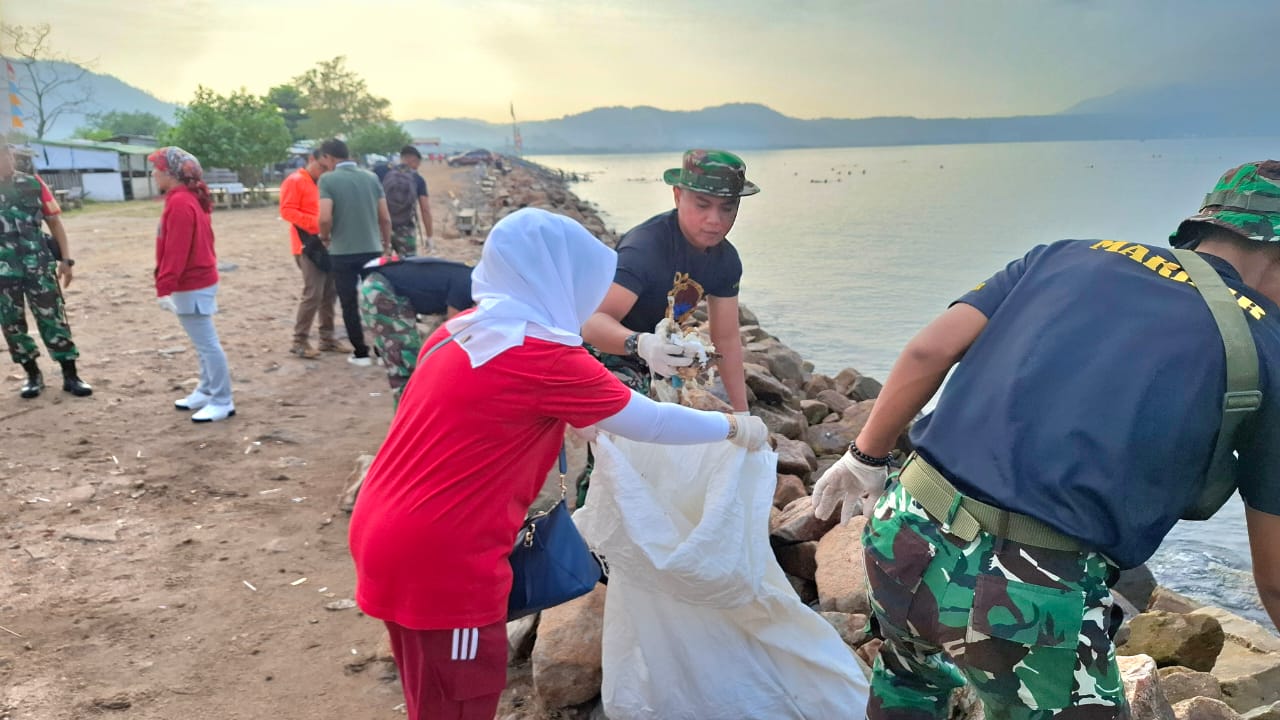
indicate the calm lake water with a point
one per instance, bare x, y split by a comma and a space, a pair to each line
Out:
848, 252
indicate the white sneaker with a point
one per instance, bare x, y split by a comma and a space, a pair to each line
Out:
212, 413
194, 401
360, 361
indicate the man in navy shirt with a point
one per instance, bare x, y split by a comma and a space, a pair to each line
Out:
677, 259
1076, 430
394, 292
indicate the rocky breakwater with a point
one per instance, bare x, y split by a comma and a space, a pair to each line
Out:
502, 188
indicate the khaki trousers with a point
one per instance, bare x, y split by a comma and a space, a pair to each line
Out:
319, 294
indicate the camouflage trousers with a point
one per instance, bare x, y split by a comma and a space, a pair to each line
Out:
393, 323
405, 241
633, 376
40, 289
1030, 629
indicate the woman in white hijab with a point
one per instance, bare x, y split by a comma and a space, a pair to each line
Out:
478, 428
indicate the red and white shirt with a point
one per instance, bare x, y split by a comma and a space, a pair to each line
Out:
464, 459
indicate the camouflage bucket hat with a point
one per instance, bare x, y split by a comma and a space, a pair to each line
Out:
714, 172
1245, 201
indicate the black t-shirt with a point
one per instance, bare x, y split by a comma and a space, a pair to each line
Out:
431, 285
651, 256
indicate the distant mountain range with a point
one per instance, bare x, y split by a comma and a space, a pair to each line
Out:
1171, 111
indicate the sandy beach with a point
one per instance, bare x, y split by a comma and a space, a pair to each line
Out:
155, 568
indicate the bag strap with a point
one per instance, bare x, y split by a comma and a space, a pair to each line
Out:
564, 455
1242, 396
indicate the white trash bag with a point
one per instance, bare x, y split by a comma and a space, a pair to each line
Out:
700, 622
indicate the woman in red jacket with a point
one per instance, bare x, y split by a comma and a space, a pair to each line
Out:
187, 276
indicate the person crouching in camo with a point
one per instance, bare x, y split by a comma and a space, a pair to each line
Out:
30, 272
394, 293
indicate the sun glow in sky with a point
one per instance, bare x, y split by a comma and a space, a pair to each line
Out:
805, 58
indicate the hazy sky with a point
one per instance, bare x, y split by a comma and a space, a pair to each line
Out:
805, 58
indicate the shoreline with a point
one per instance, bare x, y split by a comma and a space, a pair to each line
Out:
813, 417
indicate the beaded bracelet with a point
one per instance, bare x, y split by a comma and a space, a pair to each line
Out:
867, 459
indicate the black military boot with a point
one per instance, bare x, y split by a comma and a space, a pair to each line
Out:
72, 383
35, 380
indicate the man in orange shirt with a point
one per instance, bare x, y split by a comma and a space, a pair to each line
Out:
300, 207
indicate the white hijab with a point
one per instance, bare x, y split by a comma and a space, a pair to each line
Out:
541, 275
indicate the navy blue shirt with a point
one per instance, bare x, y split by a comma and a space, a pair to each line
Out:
430, 284
1093, 397
653, 252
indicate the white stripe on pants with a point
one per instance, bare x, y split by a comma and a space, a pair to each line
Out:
466, 642
215, 376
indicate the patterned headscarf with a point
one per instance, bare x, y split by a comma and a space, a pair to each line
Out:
180, 164
185, 168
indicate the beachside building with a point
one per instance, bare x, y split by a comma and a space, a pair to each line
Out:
100, 171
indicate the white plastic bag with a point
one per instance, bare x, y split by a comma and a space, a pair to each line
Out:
700, 622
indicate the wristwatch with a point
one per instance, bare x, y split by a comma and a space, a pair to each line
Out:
631, 344
69, 262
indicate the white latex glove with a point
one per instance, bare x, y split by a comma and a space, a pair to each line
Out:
663, 357
848, 480
752, 433
167, 303
585, 434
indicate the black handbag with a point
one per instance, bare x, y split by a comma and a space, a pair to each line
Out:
550, 563
314, 249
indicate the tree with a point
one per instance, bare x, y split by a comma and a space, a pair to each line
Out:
382, 138
292, 106
50, 84
103, 126
240, 131
337, 100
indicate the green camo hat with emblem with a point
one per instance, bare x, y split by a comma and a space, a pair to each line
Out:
714, 172
1245, 201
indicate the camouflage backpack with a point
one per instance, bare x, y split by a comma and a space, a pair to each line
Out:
401, 189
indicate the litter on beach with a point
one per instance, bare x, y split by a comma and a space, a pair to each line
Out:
249, 585
268, 492
10, 631
298, 582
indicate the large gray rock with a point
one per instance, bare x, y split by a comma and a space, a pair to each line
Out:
1192, 641
520, 637
856, 415
835, 400
799, 559
857, 386
1180, 683
785, 422
1204, 708
814, 411
766, 387
787, 365
851, 626
1162, 598
831, 438
817, 383
566, 656
795, 457
790, 488
1244, 632
1266, 712
1248, 678
841, 576
1136, 585
1142, 688
796, 524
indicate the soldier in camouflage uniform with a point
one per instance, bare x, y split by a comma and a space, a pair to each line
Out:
29, 274
394, 292
1064, 447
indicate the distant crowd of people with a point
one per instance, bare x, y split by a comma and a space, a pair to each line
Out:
1095, 390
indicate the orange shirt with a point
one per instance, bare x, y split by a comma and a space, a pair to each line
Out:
300, 206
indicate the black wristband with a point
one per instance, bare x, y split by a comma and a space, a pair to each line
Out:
867, 459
